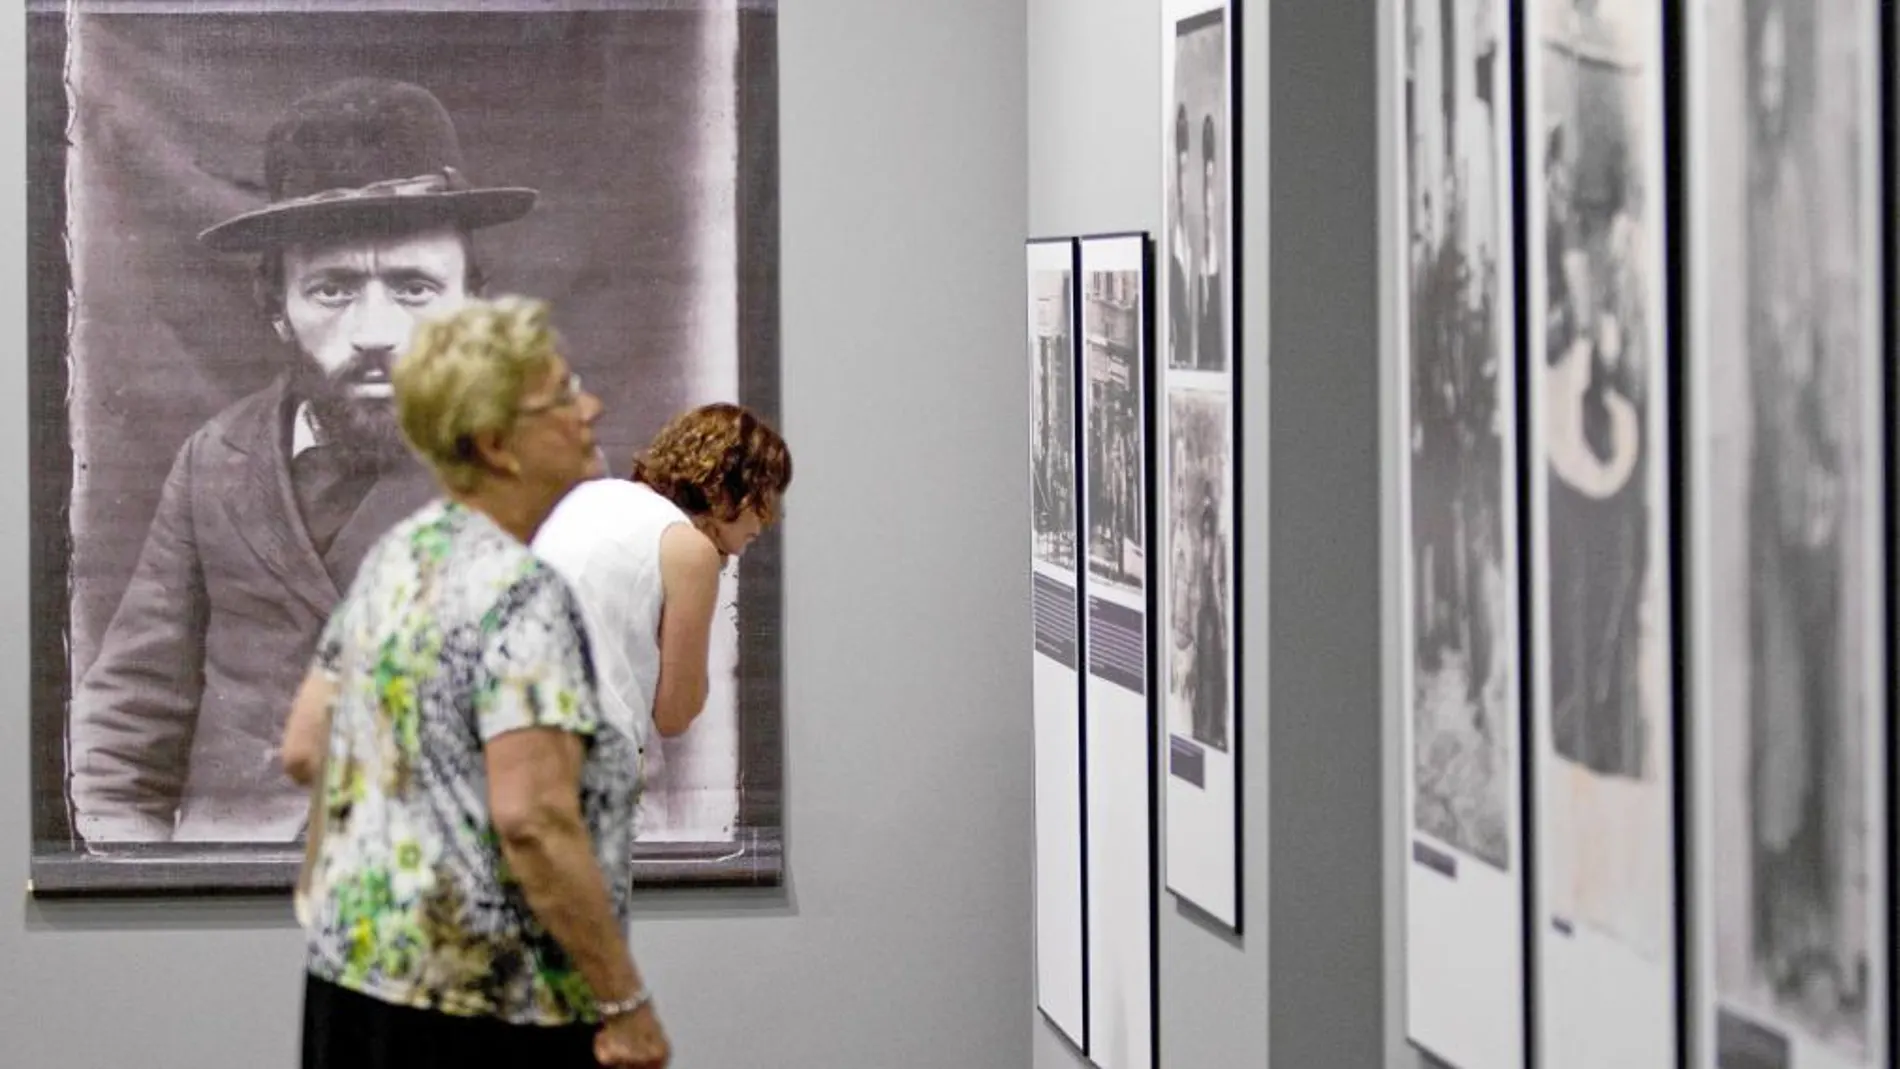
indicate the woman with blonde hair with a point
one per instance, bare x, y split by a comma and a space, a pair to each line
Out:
467, 882
645, 555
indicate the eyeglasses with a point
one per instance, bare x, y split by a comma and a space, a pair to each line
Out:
570, 393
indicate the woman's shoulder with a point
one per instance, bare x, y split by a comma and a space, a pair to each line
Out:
610, 502
515, 588
478, 564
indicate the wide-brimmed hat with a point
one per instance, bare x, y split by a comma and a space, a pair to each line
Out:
364, 156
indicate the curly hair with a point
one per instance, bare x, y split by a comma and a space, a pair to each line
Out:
464, 374
720, 460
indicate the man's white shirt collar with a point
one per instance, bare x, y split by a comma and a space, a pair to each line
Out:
304, 433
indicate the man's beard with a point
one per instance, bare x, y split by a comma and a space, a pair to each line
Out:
363, 430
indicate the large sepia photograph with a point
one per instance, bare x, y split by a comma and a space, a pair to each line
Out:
1788, 440
1460, 471
1598, 386
213, 446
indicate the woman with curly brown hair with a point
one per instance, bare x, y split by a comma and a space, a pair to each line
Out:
644, 556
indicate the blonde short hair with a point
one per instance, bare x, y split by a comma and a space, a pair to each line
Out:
464, 375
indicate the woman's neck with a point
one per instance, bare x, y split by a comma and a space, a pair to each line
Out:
509, 506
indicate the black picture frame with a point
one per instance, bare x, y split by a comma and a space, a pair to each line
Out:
1604, 928
1058, 636
1889, 96
1200, 387
1788, 197
1120, 661
1453, 218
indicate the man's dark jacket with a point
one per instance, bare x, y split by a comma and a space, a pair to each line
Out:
177, 723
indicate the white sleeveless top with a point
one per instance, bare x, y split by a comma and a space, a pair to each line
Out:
604, 539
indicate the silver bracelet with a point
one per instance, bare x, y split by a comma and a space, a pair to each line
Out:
630, 1004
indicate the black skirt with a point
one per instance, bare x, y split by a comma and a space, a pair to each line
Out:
344, 1028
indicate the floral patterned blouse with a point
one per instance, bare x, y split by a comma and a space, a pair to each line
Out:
453, 633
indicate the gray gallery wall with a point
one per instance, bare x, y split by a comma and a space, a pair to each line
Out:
1305, 985
1312, 983
1095, 161
1327, 802
900, 939
908, 132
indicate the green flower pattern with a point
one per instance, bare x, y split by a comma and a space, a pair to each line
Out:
453, 633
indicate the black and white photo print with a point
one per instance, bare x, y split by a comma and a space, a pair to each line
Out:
207, 469
1196, 183
1055, 614
1052, 414
1199, 592
1452, 266
1461, 438
1197, 457
1788, 451
1598, 386
1118, 508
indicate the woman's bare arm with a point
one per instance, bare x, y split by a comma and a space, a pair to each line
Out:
307, 731
534, 800
689, 574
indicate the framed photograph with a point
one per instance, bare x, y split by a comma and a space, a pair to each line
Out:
1055, 525
1788, 451
1119, 706
1199, 455
1890, 333
1453, 254
1598, 383
201, 495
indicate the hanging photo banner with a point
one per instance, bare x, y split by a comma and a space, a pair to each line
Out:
1788, 424
1119, 698
192, 526
1459, 657
1197, 454
1598, 385
1055, 579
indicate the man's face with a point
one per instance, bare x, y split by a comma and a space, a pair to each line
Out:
350, 308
